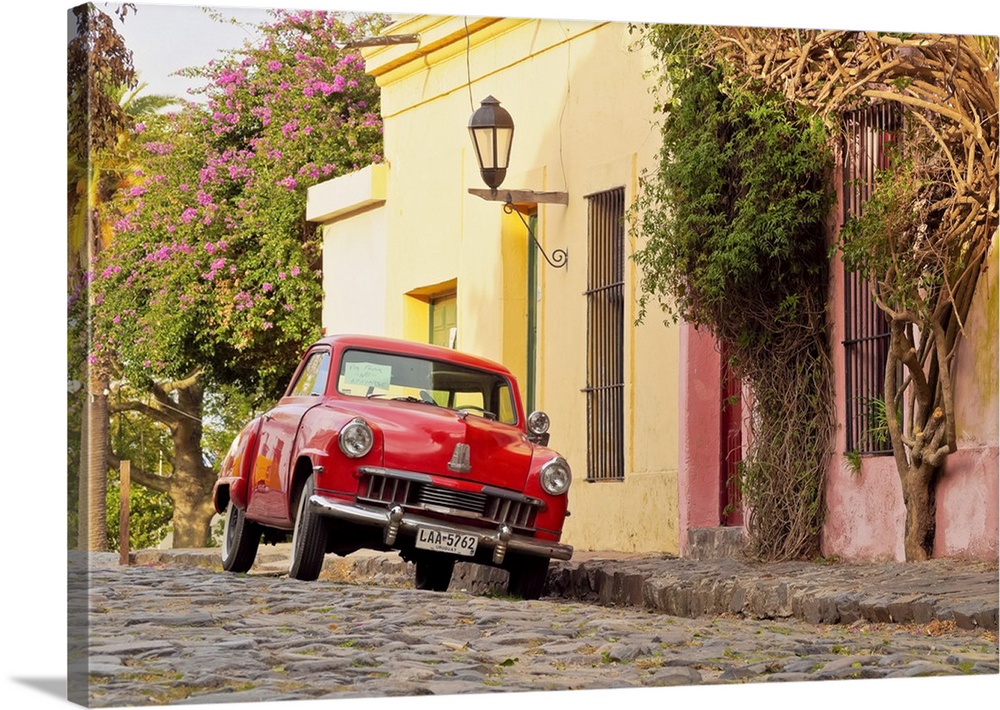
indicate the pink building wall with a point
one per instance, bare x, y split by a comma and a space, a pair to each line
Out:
700, 414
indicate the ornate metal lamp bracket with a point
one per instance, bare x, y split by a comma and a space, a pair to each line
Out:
560, 257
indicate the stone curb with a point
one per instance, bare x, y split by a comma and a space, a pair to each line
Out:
965, 593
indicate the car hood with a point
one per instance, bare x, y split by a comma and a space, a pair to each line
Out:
423, 438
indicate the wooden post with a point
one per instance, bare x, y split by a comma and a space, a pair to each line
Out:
123, 497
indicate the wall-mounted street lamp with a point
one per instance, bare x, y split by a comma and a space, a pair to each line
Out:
492, 131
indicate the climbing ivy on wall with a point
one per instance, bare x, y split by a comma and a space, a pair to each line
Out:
732, 228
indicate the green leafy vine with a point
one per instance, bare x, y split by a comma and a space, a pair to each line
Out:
733, 240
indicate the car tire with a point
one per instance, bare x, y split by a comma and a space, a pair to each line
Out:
308, 538
240, 540
527, 577
433, 572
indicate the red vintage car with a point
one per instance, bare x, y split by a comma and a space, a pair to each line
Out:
385, 444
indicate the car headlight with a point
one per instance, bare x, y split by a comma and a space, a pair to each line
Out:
556, 476
538, 422
356, 438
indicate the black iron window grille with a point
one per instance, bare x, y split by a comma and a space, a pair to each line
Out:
605, 294
871, 135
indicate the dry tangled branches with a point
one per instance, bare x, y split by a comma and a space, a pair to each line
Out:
783, 480
947, 83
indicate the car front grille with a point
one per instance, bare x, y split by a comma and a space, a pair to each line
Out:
428, 495
388, 489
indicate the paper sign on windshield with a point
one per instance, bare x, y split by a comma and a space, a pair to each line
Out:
367, 374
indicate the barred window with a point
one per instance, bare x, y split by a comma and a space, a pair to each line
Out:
870, 134
606, 335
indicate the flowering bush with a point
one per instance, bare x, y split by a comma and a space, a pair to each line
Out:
212, 267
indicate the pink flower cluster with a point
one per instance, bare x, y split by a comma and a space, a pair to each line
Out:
233, 76
161, 254
243, 301
263, 113
215, 266
325, 87
159, 148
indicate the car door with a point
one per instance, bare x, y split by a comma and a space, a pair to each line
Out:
269, 481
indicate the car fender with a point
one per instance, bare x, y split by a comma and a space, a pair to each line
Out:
316, 439
551, 518
234, 473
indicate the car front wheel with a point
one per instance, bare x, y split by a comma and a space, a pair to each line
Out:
240, 540
308, 538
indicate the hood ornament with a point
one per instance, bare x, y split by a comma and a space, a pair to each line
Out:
460, 459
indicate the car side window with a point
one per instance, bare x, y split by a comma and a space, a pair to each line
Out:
505, 405
312, 378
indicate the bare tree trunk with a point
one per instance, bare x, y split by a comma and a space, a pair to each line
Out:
191, 485
920, 446
97, 467
193, 510
82, 489
918, 496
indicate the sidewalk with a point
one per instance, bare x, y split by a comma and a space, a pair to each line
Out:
965, 593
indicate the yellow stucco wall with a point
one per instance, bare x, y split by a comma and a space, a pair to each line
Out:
583, 113
349, 210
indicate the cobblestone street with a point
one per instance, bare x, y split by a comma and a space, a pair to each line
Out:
166, 635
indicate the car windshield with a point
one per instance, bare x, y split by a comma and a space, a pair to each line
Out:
437, 383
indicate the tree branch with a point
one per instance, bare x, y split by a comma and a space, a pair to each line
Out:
154, 412
182, 384
140, 475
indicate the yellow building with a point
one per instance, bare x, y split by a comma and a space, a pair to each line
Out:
409, 252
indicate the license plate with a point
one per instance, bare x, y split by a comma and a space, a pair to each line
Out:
455, 543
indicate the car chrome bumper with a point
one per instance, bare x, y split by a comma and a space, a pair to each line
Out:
395, 520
